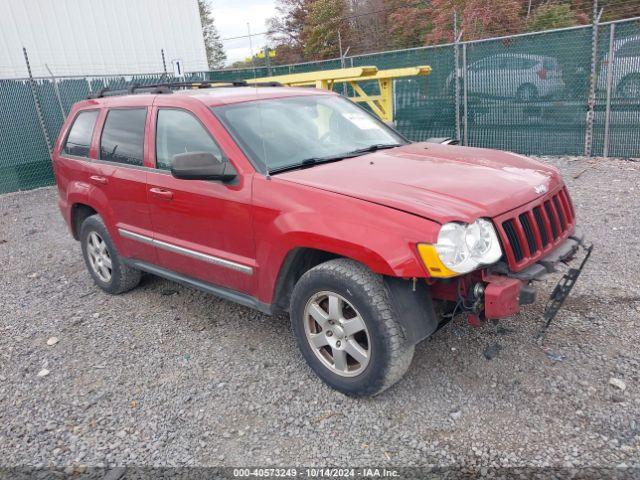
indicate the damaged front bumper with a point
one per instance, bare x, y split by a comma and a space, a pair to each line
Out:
505, 291
497, 292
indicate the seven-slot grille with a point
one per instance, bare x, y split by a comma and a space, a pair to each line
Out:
529, 234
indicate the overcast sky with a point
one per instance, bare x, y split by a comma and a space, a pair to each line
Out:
231, 17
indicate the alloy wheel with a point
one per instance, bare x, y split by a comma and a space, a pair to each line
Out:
337, 334
99, 257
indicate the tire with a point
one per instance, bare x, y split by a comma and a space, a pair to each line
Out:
101, 257
527, 93
363, 300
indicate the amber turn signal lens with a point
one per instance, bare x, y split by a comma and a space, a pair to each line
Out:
432, 261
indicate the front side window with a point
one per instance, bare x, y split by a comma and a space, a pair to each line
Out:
123, 136
281, 133
79, 140
178, 131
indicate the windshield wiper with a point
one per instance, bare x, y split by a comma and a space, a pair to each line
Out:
308, 162
373, 148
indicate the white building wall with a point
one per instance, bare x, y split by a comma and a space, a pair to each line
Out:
98, 37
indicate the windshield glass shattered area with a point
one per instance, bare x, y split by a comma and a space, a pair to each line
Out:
277, 134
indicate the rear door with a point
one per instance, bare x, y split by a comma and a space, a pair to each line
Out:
202, 229
122, 176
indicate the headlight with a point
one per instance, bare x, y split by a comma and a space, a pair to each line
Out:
461, 248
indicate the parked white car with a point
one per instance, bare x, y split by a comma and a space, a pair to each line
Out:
625, 80
513, 75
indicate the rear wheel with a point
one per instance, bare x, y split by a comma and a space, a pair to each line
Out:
344, 324
103, 261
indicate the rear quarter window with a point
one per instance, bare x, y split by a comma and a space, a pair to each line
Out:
78, 141
122, 138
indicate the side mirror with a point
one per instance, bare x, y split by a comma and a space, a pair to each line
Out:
201, 166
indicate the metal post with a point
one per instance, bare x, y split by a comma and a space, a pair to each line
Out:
36, 102
591, 100
267, 60
253, 60
342, 61
456, 70
164, 62
56, 90
610, 66
465, 96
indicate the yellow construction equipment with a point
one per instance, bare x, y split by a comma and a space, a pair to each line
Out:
381, 104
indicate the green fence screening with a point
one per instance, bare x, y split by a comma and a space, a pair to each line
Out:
524, 93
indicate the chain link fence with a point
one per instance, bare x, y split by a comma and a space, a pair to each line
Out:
541, 93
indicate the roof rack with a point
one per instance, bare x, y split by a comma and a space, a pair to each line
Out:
169, 87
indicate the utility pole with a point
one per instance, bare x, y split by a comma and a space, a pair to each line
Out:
253, 60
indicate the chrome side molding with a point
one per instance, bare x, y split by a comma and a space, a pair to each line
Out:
221, 262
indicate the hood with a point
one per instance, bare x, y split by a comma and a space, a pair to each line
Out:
440, 182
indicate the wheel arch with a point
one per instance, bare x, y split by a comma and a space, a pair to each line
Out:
79, 213
300, 259
296, 263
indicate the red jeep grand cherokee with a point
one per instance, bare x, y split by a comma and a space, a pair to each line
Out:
297, 200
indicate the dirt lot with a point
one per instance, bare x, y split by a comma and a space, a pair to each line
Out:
165, 375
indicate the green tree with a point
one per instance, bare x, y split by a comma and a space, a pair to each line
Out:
216, 56
325, 19
551, 15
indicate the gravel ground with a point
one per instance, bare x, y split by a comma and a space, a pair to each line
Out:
168, 376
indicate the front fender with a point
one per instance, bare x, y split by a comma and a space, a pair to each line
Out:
290, 216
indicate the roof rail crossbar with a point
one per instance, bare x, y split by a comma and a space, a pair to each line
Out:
168, 87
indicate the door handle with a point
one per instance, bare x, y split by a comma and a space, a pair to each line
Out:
98, 179
161, 193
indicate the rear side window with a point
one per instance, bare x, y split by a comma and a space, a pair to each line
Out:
177, 132
79, 139
123, 136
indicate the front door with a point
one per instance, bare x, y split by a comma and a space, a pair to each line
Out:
202, 229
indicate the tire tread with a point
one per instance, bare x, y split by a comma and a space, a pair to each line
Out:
399, 352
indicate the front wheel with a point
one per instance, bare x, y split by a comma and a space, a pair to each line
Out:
345, 326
